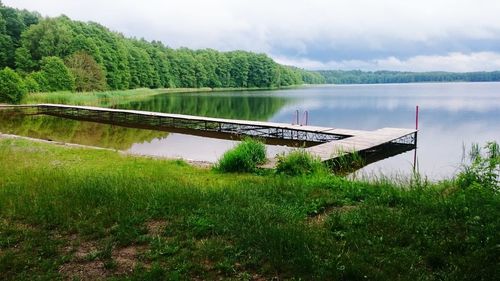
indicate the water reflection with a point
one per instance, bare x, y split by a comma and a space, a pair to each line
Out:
451, 115
72, 131
240, 105
193, 147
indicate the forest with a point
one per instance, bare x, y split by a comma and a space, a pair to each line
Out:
381, 77
40, 54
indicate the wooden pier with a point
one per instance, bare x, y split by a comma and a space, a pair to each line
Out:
324, 142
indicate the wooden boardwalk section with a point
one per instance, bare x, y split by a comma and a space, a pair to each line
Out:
361, 142
330, 143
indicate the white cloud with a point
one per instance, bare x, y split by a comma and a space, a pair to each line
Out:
457, 62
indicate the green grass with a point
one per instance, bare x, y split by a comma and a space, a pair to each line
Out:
244, 157
96, 214
299, 162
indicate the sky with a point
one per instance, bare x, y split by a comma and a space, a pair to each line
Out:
403, 35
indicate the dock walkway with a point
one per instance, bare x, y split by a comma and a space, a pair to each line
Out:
330, 142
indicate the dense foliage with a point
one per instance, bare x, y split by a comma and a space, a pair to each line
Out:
381, 77
12, 88
101, 59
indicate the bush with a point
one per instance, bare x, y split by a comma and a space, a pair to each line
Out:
299, 162
31, 84
244, 157
57, 75
39, 77
12, 87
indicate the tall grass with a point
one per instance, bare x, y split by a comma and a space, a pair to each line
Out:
346, 162
299, 162
110, 98
105, 98
245, 157
482, 168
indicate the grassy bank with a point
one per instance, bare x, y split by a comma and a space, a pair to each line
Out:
106, 98
109, 98
71, 212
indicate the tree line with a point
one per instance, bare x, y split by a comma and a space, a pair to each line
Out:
381, 77
52, 54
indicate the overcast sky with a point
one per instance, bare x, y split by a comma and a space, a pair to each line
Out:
415, 35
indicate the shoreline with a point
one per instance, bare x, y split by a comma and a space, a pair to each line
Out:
194, 163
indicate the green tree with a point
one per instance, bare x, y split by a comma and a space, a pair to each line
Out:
39, 78
57, 74
26, 39
12, 87
24, 61
88, 74
239, 68
50, 37
31, 84
6, 48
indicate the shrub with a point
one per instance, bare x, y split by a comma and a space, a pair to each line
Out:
299, 162
31, 84
12, 87
244, 157
483, 169
39, 77
58, 76
88, 74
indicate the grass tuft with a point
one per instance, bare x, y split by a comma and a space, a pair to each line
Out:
299, 162
245, 157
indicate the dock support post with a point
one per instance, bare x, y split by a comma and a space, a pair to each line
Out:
415, 140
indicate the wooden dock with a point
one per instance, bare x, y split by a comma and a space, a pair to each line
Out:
327, 143
360, 142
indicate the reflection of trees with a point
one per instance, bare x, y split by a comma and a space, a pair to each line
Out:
248, 107
72, 131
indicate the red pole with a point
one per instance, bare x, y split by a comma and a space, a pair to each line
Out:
415, 151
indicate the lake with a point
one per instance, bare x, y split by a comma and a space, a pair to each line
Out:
452, 115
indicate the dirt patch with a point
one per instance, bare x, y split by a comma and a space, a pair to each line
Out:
128, 258
92, 270
85, 249
85, 263
156, 227
320, 217
80, 267
207, 264
19, 226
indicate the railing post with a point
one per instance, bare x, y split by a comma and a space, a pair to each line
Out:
306, 117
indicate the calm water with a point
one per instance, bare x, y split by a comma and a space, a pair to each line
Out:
451, 115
